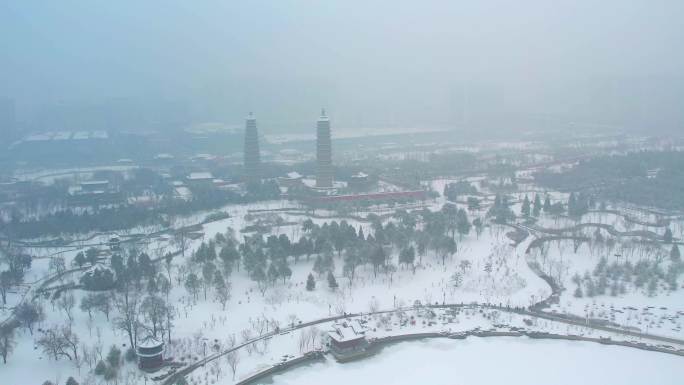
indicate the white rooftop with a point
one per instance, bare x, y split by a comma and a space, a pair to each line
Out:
149, 342
347, 332
200, 176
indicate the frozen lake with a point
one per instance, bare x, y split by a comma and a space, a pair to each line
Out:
491, 361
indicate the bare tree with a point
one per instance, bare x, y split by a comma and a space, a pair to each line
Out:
303, 340
180, 239
6, 281
153, 309
66, 302
373, 305
233, 359
128, 306
59, 342
7, 342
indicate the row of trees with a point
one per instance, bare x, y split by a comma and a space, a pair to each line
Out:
124, 216
266, 259
615, 277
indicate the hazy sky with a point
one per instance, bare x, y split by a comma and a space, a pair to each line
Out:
389, 62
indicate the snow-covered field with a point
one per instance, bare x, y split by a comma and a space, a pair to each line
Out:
489, 269
512, 361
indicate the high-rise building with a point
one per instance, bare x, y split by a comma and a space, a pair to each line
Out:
324, 171
251, 152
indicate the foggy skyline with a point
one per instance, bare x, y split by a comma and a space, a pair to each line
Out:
500, 64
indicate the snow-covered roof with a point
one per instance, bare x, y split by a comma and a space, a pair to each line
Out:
203, 157
294, 175
149, 342
346, 332
94, 182
97, 266
200, 176
183, 192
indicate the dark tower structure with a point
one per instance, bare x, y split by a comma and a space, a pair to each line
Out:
251, 152
324, 172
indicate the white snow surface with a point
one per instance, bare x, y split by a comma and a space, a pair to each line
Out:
482, 361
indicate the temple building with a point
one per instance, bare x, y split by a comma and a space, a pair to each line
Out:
150, 353
348, 341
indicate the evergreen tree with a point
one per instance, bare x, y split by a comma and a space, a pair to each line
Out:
668, 236
310, 282
222, 291
462, 223
229, 256
272, 274
192, 285
572, 204
117, 264
578, 292
284, 270
674, 254
591, 288
7, 341
537, 206
114, 357
319, 266
208, 271
525, 210
91, 255
378, 258
259, 276
100, 368
332, 282
547, 203
80, 259
407, 255
614, 289
652, 286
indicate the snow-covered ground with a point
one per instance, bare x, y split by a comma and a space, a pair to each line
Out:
503, 360
660, 312
496, 272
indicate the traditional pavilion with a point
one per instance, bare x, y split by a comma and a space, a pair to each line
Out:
150, 353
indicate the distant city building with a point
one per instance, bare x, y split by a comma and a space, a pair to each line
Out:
200, 179
292, 178
324, 170
94, 193
360, 181
94, 185
251, 151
